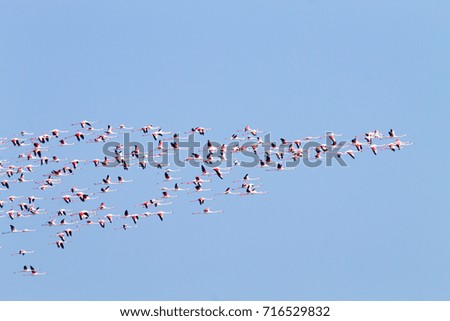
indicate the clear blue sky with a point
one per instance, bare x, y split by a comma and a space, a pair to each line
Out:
376, 230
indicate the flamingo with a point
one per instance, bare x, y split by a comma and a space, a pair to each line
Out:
83, 123
198, 180
252, 191
23, 252
176, 188
122, 126
60, 244
32, 199
24, 206
61, 235
158, 133
101, 138
100, 222
246, 185
145, 129
29, 167
44, 187
109, 130
145, 204
25, 133
63, 222
103, 207
5, 183
62, 142
200, 130
10, 170
166, 195
235, 137
22, 179
12, 198
66, 198
170, 178
134, 217
126, 227
120, 180
63, 212
85, 197
280, 167
84, 214
399, 144
218, 172
357, 144
18, 143
332, 136
105, 181
198, 188
41, 148
157, 203
373, 147
208, 211
44, 138
92, 129
36, 211
19, 214
228, 192
75, 189
25, 269
51, 181
194, 156
56, 132
13, 229
201, 200
348, 152
107, 190
109, 217
176, 137
369, 136
254, 132
204, 171
69, 232
50, 223
76, 162
36, 273
377, 134
160, 214
247, 178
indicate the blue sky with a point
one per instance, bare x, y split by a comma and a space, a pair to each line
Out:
375, 230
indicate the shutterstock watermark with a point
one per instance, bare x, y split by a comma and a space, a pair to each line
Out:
256, 152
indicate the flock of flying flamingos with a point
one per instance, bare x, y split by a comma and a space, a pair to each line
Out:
36, 156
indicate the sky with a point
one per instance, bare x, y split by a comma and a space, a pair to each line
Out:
374, 230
